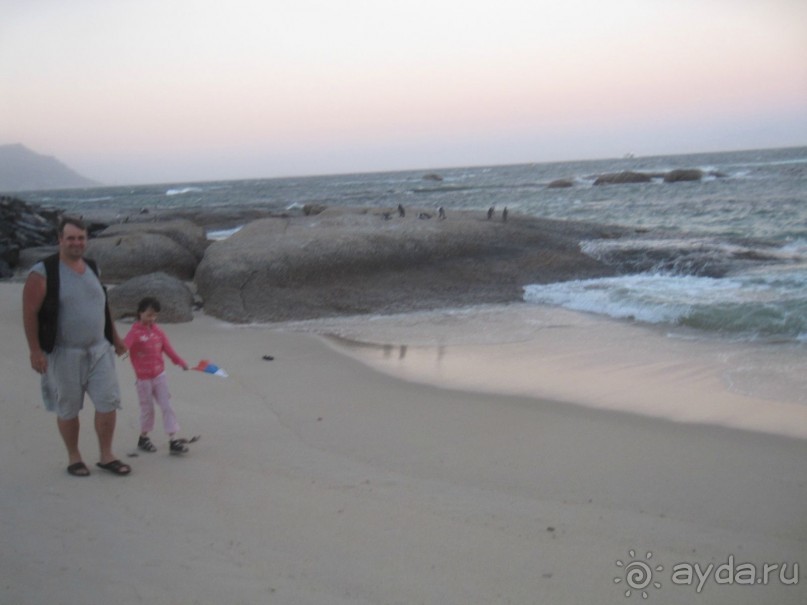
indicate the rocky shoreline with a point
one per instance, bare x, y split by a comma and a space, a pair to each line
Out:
23, 226
357, 260
322, 262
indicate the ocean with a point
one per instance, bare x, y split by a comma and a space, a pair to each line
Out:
725, 255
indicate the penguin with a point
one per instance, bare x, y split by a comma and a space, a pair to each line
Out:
441, 213
490, 213
504, 215
401, 211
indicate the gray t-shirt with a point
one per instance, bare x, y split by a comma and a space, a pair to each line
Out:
81, 307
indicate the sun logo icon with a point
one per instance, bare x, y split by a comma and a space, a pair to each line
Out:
638, 574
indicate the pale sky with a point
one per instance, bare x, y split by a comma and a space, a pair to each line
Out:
148, 91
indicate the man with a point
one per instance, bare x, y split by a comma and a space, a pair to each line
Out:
71, 337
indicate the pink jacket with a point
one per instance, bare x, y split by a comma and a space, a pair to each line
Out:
146, 347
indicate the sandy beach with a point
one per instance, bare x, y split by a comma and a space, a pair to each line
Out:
321, 480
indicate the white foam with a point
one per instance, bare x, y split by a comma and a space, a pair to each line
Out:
761, 302
183, 190
646, 297
223, 233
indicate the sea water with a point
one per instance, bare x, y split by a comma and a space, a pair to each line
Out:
725, 254
720, 262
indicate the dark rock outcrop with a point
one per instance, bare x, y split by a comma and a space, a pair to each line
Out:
621, 178
22, 226
560, 184
683, 174
176, 298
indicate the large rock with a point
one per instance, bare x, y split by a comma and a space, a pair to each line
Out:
184, 232
126, 256
127, 250
176, 298
355, 261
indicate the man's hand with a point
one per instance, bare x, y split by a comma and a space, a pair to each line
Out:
39, 362
120, 348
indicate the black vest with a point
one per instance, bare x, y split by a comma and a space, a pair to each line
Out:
49, 311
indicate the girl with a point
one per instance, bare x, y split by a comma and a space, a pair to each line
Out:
147, 343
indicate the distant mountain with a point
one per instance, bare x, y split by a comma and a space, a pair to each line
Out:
24, 170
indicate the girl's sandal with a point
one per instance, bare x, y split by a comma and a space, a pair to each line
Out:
177, 446
145, 444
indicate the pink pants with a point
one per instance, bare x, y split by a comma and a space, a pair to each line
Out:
149, 391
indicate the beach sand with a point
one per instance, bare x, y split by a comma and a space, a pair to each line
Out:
319, 480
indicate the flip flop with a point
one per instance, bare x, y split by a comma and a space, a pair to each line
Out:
116, 467
78, 469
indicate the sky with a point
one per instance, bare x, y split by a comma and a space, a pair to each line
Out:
154, 91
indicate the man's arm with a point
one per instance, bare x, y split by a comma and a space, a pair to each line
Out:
117, 342
120, 345
33, 295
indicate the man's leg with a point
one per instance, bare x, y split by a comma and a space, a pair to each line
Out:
105, 429
69, 430
102, 387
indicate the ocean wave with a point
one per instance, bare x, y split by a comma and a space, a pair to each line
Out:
709, 257
772, 304
184, 190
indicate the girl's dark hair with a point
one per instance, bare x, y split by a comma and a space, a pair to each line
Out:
148, 303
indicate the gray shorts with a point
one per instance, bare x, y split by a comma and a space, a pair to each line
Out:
72, 373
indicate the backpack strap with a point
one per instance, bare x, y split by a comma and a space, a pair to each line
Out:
49, 311
48, 315
108, 331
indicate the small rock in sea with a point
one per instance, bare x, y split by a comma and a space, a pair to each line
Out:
680, 175
621, 178
560, 184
